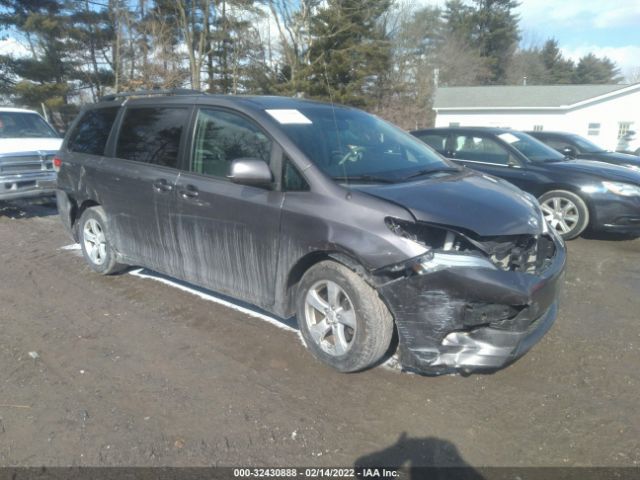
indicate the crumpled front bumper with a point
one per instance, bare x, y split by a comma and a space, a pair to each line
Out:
26, 185
469, 319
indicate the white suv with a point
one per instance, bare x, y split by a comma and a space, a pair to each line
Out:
28, 145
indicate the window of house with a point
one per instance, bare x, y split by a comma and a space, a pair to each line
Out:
222, 137
623, 129
454, 124
92, 131
537, 128
152, 135
594, 129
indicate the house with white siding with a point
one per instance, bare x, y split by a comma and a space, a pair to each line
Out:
605, 114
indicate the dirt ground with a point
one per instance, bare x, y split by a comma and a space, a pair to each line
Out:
131, 371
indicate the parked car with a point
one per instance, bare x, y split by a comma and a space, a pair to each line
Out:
319, 211
573, 194
27, 146
575, 146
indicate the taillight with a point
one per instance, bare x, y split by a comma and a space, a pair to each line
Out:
57, 163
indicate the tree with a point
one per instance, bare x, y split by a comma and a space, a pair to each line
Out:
594, 70
495, 32
349, 52
558, 69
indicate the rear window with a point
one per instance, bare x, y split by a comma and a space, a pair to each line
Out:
437, 141
92, 131
152, 135
24, 125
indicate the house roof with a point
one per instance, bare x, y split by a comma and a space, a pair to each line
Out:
519, 96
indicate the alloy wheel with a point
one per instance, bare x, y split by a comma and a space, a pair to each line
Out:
95, 242
561, 214
330, 317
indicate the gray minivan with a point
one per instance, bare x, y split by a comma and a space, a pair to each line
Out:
319, 211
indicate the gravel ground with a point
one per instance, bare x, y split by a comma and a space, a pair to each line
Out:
131, 371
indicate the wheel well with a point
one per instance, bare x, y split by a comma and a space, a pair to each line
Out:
575, 191
305, 263
77, 212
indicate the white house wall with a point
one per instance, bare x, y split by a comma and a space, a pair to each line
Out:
608, 112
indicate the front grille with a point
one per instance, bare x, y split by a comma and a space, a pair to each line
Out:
14, 164
522, 253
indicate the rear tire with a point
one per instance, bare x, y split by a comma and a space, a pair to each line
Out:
95, 241
342, 319
565, 212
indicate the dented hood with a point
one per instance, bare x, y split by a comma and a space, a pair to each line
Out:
467, 200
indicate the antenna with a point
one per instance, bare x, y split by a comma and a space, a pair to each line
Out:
333, 111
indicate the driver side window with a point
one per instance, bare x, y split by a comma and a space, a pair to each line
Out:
479, 149
221, 137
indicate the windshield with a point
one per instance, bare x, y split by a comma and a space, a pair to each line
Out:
24, 125
585, 145
533, 149
351, 145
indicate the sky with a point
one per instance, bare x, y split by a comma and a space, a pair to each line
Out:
604, 27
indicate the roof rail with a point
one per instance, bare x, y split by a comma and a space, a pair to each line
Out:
144, 93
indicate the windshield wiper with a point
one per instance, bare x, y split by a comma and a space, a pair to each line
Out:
364, 178
429, 171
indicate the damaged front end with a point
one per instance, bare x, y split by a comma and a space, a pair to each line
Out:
470, 302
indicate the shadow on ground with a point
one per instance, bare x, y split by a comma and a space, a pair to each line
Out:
17, 209
427, 457
608, 236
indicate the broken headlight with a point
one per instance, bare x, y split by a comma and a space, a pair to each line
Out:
445, 248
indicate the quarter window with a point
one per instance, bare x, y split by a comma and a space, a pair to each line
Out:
152, 135
222, 137
479, 149
293, 181
92, 131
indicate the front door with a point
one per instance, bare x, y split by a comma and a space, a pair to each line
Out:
228, 233
484, 154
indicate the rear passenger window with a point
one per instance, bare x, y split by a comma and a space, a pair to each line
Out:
434, 140
222, 137
480, 149
92, 131
152, 135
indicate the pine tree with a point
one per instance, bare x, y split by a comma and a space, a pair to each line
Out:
594, 70
349, 52
558, 69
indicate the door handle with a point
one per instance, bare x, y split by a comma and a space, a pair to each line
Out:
162, 185
188, 192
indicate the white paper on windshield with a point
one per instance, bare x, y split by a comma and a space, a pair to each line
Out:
289, 117
508, 137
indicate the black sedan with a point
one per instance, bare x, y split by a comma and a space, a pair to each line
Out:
575, 146
573, 194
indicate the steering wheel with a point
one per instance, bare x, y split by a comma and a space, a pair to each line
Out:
353, 155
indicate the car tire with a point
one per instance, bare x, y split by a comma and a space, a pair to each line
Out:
95, 242
342, 319
565, 212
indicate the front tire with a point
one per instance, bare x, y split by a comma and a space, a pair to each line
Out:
342, 319
95, 242
565, 212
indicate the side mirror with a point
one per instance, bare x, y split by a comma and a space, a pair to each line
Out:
569, 152
250, 171
513, 163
